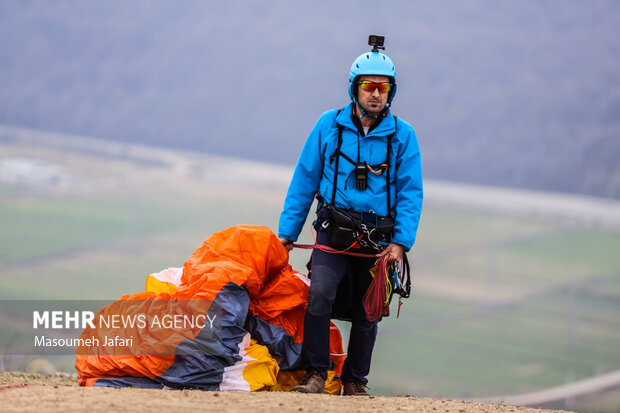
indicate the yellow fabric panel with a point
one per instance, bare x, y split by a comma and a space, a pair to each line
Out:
262, 372
332, 385
158, 287
289, 379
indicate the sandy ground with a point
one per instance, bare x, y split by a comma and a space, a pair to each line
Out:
22, 392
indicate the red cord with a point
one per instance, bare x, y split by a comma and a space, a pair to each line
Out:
331, 250
376, 297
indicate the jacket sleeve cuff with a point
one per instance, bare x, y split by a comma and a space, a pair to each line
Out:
287, 236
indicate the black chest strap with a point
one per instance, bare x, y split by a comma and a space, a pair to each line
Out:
385, 167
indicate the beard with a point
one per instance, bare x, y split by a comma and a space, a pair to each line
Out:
372, 109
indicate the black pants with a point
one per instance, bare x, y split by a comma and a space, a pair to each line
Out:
328, 270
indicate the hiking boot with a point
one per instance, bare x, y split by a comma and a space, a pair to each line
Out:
312, 382
355, 388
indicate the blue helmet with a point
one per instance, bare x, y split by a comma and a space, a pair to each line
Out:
372, 63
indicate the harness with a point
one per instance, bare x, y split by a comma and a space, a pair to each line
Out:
362, 168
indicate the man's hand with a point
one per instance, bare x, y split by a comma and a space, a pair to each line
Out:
396, 252
288, 244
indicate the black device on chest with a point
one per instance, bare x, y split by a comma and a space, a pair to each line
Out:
361, 175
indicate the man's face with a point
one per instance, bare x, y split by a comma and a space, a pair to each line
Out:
373, 101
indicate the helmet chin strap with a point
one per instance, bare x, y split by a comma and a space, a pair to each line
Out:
367, 115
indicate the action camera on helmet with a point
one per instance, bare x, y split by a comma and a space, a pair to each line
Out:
376, 42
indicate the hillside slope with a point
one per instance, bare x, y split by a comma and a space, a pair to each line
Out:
523, 94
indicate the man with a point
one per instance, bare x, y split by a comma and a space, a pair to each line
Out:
348, 159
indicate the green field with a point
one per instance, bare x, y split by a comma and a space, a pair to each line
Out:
526, 306
501, 304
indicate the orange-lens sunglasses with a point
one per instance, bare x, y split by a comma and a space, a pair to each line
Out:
371, 86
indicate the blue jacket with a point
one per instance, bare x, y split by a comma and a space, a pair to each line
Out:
314, 172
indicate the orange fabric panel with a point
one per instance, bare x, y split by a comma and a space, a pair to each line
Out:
282, 302
254, 248
335, 348
92, 367
282, 292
